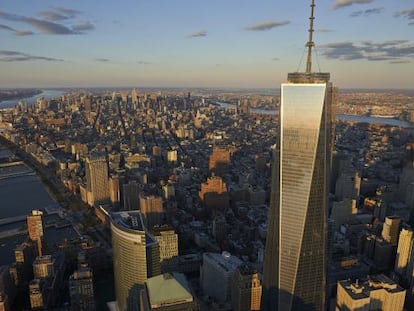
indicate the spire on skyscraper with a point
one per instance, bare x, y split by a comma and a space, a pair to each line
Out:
310, 44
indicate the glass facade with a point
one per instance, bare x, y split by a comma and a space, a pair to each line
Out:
135, 256
294, 267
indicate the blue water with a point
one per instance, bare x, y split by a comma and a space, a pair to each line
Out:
341, 117
47, 94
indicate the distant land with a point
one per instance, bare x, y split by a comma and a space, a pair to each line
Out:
11, 94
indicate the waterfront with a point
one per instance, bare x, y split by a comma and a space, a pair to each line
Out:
47, 94
340, 117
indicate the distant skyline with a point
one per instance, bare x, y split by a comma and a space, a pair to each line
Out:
193, 43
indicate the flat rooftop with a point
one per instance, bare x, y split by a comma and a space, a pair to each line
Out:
168, 289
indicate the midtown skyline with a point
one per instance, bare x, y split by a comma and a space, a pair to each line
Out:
203, 44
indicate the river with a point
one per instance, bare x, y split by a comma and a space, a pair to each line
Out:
341, 117
47, 94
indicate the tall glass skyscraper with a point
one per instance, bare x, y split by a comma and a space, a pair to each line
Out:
295, 256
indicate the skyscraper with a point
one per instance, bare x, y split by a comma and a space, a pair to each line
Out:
97, 180
136, 257
295, 256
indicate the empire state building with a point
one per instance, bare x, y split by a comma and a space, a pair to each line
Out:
294, 275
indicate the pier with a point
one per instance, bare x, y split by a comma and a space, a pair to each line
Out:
10, 164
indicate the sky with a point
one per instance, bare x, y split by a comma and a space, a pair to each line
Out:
203, 43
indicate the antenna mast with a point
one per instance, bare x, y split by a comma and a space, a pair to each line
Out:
310, 44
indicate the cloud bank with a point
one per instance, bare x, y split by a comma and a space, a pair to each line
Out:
267, 25
367, 12
408, 14
394, 51
344, 3
15, 56
47, 26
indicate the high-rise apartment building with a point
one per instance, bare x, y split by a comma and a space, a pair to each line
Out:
295, 255
97, 184
135, 255
35, 229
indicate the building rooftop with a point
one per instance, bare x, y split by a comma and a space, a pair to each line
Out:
361, 290
168, 289
225, 260
131, 220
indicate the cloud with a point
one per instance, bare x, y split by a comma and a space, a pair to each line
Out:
275, 58
267, 25
408, 14
16, 32
198, 34
392, 50
58, 14
103, 60
141, 62
367, 12
343, 3
83, 27
40, 24
15, 56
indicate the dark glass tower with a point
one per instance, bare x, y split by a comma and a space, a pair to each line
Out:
295, 256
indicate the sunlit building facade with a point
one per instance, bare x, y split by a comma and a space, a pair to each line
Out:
135, 255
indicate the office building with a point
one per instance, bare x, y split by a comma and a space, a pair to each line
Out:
135, 256
81, 290
246, 289
97, 184
152, 210
217, 275
35, 229
377, 293
294, 276
167, 292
